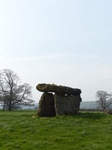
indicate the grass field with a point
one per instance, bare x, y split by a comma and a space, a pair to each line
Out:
84, 131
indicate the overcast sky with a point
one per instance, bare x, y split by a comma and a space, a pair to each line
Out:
65, 42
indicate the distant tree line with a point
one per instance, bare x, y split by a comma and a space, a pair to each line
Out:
12, 94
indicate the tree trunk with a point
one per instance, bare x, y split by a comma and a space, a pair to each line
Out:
10, 106
3, 106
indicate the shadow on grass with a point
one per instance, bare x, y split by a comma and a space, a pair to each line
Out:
90, 115
86, 115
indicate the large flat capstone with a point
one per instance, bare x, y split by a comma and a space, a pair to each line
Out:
62, 90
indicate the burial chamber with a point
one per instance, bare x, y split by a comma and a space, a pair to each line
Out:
58, 100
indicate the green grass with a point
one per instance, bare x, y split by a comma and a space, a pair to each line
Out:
84, 131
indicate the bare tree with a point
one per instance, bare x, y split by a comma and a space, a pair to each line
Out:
104, 99
12, 94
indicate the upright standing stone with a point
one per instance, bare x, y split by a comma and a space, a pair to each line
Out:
46, 105
66, 104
